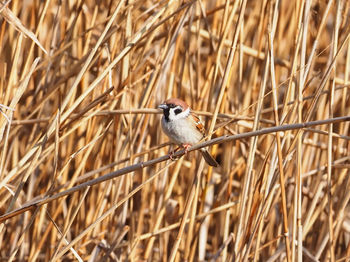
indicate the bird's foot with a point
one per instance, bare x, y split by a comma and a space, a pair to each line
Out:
186, 147
171, 154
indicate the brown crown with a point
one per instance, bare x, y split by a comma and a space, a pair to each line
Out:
176, 101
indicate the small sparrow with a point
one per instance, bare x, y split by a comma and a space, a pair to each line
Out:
183, 127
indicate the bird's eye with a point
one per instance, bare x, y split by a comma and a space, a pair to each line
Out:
177, 111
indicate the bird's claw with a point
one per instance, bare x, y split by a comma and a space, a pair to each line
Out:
186, 147
171, 156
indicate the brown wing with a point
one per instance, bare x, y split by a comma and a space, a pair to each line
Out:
199, 124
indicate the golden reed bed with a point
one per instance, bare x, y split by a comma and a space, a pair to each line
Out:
84, 167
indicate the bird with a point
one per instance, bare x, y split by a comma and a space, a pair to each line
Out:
183, 127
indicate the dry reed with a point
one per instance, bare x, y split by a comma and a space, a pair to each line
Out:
84, 168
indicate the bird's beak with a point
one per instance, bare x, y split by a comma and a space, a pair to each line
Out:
163, 106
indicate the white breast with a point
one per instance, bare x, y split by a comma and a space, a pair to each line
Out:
181, 132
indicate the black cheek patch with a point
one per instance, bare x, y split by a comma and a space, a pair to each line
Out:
166, 114
178, 111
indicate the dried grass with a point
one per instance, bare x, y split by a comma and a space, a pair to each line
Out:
84, 171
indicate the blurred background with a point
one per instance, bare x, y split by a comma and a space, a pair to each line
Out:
80, 82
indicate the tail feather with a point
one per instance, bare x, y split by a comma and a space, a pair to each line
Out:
208, 158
